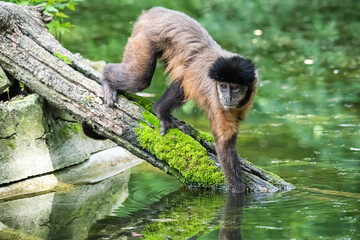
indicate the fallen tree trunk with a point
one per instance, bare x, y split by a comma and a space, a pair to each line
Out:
33, 56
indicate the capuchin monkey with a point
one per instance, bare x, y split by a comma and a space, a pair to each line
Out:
222, 83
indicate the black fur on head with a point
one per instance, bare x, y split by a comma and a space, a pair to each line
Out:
235, 69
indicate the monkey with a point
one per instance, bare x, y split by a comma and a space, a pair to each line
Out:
222, 83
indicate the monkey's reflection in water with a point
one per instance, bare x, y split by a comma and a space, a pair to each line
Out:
231, 217
184, 214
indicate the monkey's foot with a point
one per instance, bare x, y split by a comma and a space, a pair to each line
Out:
238, 189
169, 123
238, 186
110, 95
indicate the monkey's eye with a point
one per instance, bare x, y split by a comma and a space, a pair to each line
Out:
223, 86
235, 88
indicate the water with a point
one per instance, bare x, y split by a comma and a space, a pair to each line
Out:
304, 126
303, 213
145, 203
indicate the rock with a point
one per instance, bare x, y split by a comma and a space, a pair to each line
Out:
29, 186
7, 233
100, 166
4, 81
23, 150
68, 145
63, 215
33, 142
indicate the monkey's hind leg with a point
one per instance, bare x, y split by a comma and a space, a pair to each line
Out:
172, 98
134, 74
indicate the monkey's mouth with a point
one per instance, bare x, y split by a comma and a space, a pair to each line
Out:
227, 106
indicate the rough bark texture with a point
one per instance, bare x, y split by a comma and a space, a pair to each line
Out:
34, 57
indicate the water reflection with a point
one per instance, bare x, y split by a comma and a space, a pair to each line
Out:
183, 214
201, 214
231, 218
148, 204
63, 215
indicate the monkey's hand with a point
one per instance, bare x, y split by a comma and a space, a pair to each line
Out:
169, 123
110, 95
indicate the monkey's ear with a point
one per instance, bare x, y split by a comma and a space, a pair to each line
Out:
235, 69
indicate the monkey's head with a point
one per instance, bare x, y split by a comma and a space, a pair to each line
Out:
235, 78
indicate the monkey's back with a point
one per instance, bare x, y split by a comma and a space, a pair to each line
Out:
171, 29
183, 45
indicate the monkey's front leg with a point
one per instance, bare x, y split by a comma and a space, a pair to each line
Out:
169, 123
230, 164
172, 98
110, 94
114, 77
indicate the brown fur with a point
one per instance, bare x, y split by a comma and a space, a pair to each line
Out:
188, 52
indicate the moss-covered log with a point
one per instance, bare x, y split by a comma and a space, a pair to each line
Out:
33, 56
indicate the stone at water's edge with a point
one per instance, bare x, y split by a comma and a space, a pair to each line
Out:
33, 143
98, 167
66, 215
23, 151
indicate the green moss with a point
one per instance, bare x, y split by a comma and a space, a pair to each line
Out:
76, 128
8, 93
205, 136
12, 234
190, 222
11, 144
64, 132
274, 179
148, 105
151, 118
141, 101
89, 99
64, 58
188, 160
67, 130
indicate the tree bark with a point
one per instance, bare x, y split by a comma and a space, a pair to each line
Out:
33, 56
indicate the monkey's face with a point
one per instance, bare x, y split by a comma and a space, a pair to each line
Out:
230, 94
